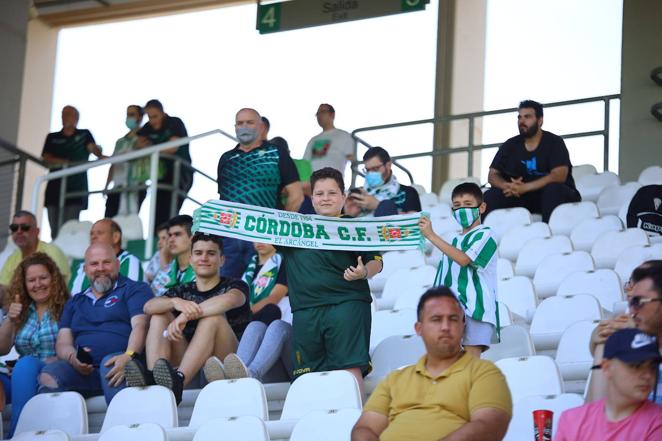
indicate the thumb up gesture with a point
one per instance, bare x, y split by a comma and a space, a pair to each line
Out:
15, 309
357, 272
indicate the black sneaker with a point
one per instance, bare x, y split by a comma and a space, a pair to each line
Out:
136, 374
165, 375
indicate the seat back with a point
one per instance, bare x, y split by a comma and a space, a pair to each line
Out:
502, 220
391, 322
405, 280
135, 432
42, 435
583, 170
553, 269
321, 391
139, 405
515, 342
610, 245
504, 268
521, 424
632, 257
612, 198
566, 216
394, 352
65, 411
573, 355
555, 314
514, 239
535, 250
331, 425
518, 294
651, 175
242, 428
584, 235
534, 375
590, 186
603, 284
228, 398
409, 299
447, 187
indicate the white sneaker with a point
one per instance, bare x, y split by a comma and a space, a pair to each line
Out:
214, 369
234, 367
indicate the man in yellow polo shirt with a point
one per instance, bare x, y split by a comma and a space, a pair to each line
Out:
448, 395
25, 234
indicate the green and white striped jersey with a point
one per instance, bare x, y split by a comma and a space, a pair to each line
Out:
475, 284
130, 267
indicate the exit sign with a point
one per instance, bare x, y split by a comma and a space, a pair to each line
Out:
297, 14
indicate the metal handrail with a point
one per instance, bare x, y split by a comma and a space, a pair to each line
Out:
21, 157
153, 152
471, 147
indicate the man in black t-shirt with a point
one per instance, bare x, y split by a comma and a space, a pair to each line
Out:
256, 172
161, 128
382, 190
532, 169
192, 322
68, 146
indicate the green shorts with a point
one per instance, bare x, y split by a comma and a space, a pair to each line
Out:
332, 337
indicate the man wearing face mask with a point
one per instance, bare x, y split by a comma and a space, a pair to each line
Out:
255, 172
381, 185
68, 146
161, 128
123, 174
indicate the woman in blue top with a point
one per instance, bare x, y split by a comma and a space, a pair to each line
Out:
34, 303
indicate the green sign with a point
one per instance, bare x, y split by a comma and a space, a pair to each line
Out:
297, 14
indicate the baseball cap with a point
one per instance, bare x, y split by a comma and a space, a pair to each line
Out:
632, 346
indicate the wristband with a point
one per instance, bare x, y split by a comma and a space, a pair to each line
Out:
130, 353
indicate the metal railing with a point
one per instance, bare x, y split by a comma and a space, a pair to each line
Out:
22, 158
154, 152
471, 147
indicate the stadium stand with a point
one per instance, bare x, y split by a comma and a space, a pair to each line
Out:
584, 234
65, 411
404, 282
603, 284
535, 251
612, 198
590, 186
534, 375
632, 257
393, 353
515, 342
516, 237
566, 216
573, 356
391, 322
503, 219
521, 427
611, 244
554, 268
518, 294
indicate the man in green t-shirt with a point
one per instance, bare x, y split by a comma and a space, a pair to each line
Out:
329, 294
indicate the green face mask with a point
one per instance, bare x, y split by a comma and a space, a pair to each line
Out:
466, 216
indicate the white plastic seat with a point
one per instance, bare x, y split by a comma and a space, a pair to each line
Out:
405, 281
505, 316
610, 245
573, 356
534, 375
428, 200
632, 257
555, 314
73, 243
64, 411
515, 342
584, 235
409, 299
392, 261
446, 189
651, 175
441, 209
603, 284
518, 294
230, 398
504, 219
131, 225
135, 432
504, 269
581, 170
139, 405
42, 435
321, 391
242, 428
76, 226
391, 322
514, 239
521, 424
590, 186
566, 216
445, 224
612, 198
393, 353
553, 269
536, 250
331, 425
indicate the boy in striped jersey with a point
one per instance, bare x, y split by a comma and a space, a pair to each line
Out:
469, 266
107, 231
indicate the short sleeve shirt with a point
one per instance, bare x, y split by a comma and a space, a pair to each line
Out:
37, 336
513, 160
238, 318
172, 127
420, 407
104, 324
330, 149
255, 177
16, 257
407, 199
130, 267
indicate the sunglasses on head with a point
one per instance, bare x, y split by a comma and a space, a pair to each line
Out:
24, 227
638, 301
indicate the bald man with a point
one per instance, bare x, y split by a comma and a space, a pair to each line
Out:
100, 330
255, 172
107, 231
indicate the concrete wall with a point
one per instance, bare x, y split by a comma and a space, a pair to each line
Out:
641, 133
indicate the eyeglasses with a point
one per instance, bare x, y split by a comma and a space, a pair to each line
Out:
24, 227
372, 169
637, 302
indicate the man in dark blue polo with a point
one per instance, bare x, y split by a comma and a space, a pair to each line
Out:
101, 329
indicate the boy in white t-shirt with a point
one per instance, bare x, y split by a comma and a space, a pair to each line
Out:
469, 266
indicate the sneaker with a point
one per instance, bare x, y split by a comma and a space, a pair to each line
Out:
213, 369
235, 368
165, 375
136, 374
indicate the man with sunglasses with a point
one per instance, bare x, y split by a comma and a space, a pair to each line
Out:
644, 296
25, 234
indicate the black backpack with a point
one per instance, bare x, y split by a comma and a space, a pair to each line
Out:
645, 210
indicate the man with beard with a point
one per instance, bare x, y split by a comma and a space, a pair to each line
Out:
447, 395
531, 170
101, 329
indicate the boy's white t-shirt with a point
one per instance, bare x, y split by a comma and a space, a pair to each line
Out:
330, 149
475, 284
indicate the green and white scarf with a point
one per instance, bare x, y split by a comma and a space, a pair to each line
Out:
261, 284
387, 190
284, 228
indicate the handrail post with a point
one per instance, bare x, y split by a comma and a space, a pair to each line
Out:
154, 178
470, 152
606, 136
62, 203
174, 195
20, 182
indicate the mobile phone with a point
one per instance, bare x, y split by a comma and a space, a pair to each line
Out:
353, 192
83, 356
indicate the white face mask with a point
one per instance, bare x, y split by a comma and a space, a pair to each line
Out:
466, 216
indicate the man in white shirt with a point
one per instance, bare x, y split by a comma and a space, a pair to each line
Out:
331, 148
